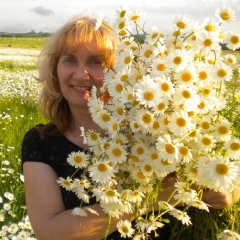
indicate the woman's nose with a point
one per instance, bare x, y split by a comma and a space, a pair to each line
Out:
81, 73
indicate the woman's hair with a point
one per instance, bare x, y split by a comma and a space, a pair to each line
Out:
75, 33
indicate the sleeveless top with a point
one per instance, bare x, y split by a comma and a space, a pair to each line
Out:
53, 151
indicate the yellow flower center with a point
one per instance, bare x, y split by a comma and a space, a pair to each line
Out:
119, 88
225, 16
221, 73
111, 193
193, 134
186, 94
121, 25
147, 168
148, 96
235, 40
124, 77
105, 118
67, 183
222, 169
94, 136
122, 13
205, 125
130, 97
135, 18
181, 24
116, 152
135, 159
235, 147
154, 156
124, 229
165, 162
102, 167
202, 75
147, 118
122, 33
148, 53
120, 111
115, 127
78, 159
186, 77
127, 60
210, 28
207, 42
161, 67
169, 148
156, 125
154, 35
222, 130
161, 106
206, 141
177, 60
202, 105
206, 91
141, 176
184, 151
194, 170
165, 87
140, 150
181, 122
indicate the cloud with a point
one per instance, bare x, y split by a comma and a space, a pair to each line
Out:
43, 11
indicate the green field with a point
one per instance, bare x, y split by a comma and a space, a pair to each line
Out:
19, 112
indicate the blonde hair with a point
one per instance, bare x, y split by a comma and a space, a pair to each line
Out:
78, 31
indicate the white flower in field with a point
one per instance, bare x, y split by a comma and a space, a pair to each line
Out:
108, 195
232, 39
65, 183
222, 72
165, 86
112, 209
210, 25
120, 24
95, 105
1, 200
78, 159
180, 124
159, 68
198, 204
180, 215
140, 150
185, 154
230, 59
187, 97
13, 228
101, 172
125, 58
164, 167
115, 88
181, 23
113, 127
154, 35
102, 118
125, 228
9, 196
92, 137
77, 211
145, 118
233, 148
22, 235
116, 153
121, 12
167, 149
206, 143
178, 59
220, 174
225, 14
7, 207
147, 93
134, 196
148, 52
135, 15
204, 75
222, 130
229, 235
205, 105
127, 95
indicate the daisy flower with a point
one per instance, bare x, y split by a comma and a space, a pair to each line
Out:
222, 72
180, 215
178, 59
92, 137
125, 228
210, 25
102, 118
229, 235
180, 124
115, 88
186, 76
139, 176
225, 14
120, 24
230, 59
127, 95
222, 131
204, 76
108, 195
65, 183
125, 58
167, 149
113, 127
221, 174
206, 143
135, 15
232, 39
77, 211
185, 153
140, 150
181, 22
134, 196
147, 52
101, 172
121, 12
161, 107
233, 148
78, 159
116, 153
154, 35
198, 204
159, 68
145, 118
146, 92
165, 86
207, 41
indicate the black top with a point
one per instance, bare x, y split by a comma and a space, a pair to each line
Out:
54, 150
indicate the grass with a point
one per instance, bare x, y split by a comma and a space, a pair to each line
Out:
25, 43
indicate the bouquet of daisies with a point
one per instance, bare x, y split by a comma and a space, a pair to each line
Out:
162, 116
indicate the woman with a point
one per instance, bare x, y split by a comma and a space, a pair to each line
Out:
71, 63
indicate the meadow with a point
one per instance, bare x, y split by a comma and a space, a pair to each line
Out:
19, 92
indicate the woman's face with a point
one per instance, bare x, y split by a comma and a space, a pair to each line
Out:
77, 72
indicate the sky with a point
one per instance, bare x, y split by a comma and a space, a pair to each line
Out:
49, 15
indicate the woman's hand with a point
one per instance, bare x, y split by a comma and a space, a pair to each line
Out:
219, 200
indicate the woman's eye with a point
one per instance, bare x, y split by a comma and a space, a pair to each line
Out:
70, 60
95, 61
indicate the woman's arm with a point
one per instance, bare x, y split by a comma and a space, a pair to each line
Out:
47, 213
